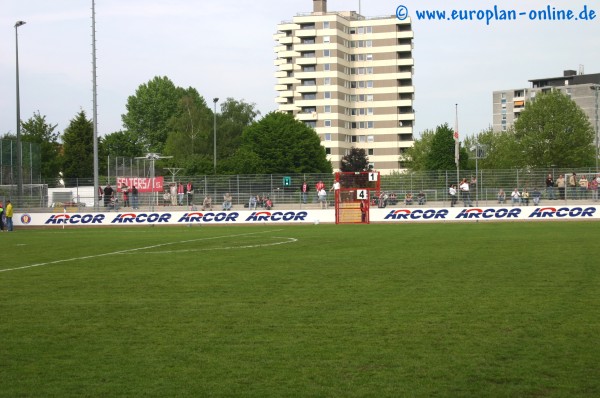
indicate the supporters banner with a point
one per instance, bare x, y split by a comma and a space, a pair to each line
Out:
142, 184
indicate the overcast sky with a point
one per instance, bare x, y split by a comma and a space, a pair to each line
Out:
224, 48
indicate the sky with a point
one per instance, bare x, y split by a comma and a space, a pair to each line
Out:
225, 48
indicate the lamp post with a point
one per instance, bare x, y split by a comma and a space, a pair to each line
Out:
19, 151
215, 100
596, 87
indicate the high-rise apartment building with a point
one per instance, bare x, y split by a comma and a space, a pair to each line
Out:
351, 78
508, 104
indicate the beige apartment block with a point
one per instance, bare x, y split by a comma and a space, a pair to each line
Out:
350, 78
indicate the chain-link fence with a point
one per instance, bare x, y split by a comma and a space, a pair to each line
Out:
284, 190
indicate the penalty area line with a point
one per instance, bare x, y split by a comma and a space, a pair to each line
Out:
132, 250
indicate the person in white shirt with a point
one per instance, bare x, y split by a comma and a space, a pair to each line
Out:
516, 196
464, 191
452, 193
323, 198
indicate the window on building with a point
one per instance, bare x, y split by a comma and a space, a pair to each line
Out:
311, 123
370, 125
370, 152
369, 97
327, 53
362, 138
328, 136
327, 151
327, 123
327, 81
326, 25
327, 94
326, 66
326, 39
369, 111
519, 93
370, 138
327, 108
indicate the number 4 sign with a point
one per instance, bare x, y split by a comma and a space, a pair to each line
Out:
362, 194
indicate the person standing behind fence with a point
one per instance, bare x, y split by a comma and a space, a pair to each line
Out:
1, 217
190, 193
560, 184
304, 192
550, 187
452, 193
573, 185
464, 191
108, 194
134, 197
323, 198
125, 192
594, 188
583, 187
252, 202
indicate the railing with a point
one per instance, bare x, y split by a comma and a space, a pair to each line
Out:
79, 193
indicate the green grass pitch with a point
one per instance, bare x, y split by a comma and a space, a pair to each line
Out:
415, 310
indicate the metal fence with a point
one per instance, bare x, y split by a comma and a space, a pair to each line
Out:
285, 189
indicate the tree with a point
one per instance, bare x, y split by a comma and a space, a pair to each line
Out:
235, 116
78, 148
37, 130
355, 160
501, 150
285, 145
150, 110
441, 153
417, 154
190, 129
553, 130
120, 143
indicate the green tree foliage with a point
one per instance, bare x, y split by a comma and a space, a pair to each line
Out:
355, 160
150, 110
441, 153
37, 130
416, 156
285, 145
120, 143
190, 129
553, 130
78, 148
501, 150
235, 116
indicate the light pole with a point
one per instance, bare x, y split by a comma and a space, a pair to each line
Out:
596, 87
19, 151
215, 100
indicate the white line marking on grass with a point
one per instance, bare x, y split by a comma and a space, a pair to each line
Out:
133, 250
283, 242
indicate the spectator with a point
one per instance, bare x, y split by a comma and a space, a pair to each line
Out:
304, 191
108, 194
573, 186
134, 197
452, 193
501, 196
173, 193
560, 184
125, 192
190, 193
408, 198
323, 198
525, 197
516, 197
180, 194
227, 201
464, 191
536, 195
421, 198
206, 203
583, 186
594, 188
252, 202
268, 203
550, 187
393, 200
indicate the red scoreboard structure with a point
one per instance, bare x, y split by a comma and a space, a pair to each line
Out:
353, 196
